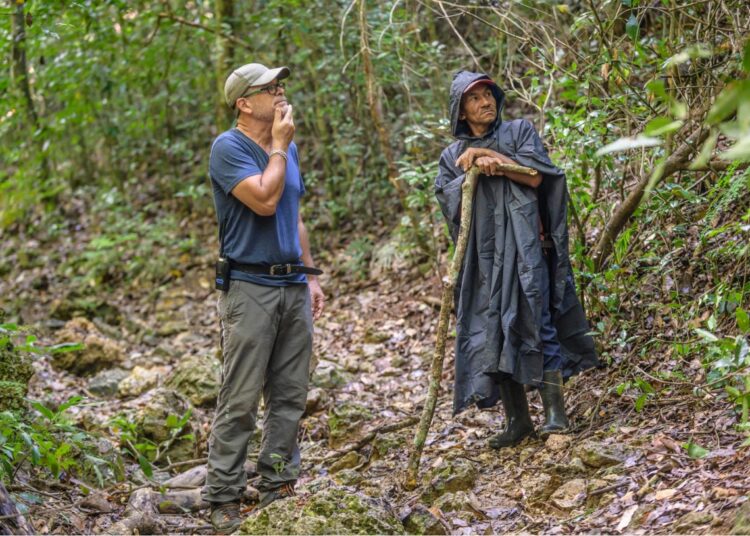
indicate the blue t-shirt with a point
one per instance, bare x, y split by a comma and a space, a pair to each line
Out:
248, 237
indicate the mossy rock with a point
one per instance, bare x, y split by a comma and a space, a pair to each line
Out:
12, 396
345, 421
198, 378
452, 476
99, 352
14, 367
422, 521
328, 511
15, 372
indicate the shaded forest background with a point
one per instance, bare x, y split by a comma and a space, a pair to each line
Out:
108, 110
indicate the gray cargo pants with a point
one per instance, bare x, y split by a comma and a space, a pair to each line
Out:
266, 335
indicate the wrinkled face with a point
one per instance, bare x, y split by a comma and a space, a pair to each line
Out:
478, 108
262, 101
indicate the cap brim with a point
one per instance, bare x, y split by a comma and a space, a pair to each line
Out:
481, 81
272, 74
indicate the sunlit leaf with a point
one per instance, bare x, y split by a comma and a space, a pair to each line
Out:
625, 144
739, 151
660, 126
690, 53
707, 336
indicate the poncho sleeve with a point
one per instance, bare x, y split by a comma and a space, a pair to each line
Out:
448, 190
529, 149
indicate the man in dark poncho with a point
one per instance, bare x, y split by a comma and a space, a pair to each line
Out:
519, 321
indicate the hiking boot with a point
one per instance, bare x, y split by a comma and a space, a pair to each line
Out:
518, 423
267, 497
555, 420
225, 517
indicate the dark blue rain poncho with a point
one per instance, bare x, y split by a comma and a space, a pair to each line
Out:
498, 295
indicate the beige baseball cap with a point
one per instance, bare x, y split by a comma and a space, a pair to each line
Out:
247, 76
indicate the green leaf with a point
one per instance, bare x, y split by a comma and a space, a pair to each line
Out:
661, 125
44, 410
624, 144
146, 466
743, 319
65, 347
704, 157
631, 27
694, 450
746, 57
657, 88
72, 401
725, 104
640, 401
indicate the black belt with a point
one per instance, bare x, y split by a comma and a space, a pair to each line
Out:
274, 269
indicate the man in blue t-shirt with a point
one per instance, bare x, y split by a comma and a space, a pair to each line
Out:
267, 311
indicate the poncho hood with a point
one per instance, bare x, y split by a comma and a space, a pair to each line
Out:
461, 81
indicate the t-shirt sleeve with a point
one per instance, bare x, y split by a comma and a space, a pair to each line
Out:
295, 156
229, 164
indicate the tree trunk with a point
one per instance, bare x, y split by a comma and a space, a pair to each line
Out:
376, 113
224, 13
18, 69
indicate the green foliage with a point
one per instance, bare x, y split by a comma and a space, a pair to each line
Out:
142, 449
49, 443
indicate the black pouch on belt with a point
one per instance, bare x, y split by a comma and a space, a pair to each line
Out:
222, 274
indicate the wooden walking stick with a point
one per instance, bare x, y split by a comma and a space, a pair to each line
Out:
449, 283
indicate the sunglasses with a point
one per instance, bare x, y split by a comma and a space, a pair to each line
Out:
273, 89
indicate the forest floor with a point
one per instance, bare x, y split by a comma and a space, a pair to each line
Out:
620, 470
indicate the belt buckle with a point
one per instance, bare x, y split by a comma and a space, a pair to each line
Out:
281, 269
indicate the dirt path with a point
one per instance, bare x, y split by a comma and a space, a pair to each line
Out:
622, 470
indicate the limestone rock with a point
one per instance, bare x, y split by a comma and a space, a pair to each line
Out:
105, 384
197, 377
163, 406
317, 399
141, 380
327, 511
422, 521
328, 375
558, 442
538, 485
454, 475
570, 495
348, 477
595, 454
459, 502
98, 353
345, 421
